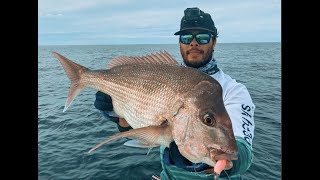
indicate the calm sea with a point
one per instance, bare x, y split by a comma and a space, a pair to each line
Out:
65, 138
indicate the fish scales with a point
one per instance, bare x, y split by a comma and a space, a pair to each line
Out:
143, 92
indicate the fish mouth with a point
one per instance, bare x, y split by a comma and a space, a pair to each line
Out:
217, 154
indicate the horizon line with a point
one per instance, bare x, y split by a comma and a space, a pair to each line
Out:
149, 44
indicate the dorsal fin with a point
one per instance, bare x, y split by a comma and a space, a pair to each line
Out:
157, 58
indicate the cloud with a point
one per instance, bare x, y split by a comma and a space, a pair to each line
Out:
47, 7
123, 19
135, 19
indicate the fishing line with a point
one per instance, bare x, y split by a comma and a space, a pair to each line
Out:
227, 174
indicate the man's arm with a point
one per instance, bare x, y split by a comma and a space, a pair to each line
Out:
245, 158
240, 108
103, 103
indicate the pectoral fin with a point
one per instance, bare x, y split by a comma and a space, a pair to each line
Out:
139, 144
149, 136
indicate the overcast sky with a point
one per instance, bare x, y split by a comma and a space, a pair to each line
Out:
95, 22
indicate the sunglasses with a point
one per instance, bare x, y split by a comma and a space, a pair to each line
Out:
201, 38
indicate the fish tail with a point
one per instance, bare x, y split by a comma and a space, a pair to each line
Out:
73, 71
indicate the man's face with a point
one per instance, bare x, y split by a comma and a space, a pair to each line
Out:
195, 54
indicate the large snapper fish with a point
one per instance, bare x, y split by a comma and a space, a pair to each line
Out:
163, 102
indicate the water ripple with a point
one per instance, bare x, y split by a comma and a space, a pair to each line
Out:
65, 138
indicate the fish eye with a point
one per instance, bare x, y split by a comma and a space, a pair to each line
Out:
208, 119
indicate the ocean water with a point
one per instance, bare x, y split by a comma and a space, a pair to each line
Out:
65, 138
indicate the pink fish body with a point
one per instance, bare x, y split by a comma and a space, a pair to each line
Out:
163, 102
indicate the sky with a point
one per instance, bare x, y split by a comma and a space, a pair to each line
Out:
108, 22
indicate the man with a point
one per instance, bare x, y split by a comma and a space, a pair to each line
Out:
197, 39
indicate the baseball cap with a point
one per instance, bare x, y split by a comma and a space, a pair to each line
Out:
195, 19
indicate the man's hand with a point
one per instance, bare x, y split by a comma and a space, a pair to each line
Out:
123, 123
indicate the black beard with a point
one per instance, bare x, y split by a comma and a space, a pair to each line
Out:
198, 64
